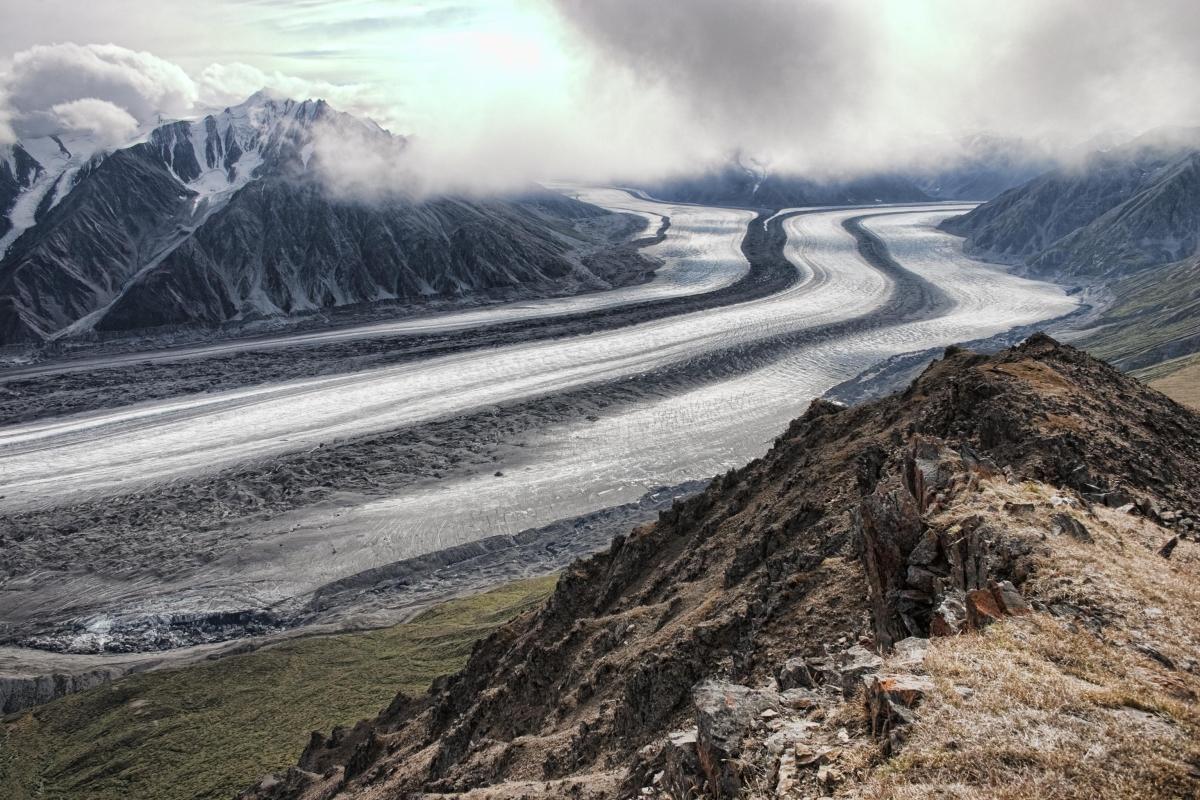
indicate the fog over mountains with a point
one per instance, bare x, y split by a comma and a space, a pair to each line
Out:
236, 215
275, 207
1121, 210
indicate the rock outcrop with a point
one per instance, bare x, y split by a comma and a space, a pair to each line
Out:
19, 692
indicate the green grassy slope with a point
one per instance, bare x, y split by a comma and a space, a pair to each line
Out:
1178, 379
1157, 317
209, 730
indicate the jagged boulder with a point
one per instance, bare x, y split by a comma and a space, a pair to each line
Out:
890, 700
682, 775
725, 714
1066, 525
925, 580
795, 674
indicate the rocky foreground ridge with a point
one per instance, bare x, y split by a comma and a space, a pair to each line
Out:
984, 586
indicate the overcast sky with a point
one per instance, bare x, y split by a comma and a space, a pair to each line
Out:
593, 88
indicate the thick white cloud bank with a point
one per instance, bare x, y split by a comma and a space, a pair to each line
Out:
859, 84
110, 91
99, 87
495, 94
110, 124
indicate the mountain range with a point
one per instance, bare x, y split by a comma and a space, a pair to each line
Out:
1119, 211
228, 218
982, 167
744, 182
1124, 225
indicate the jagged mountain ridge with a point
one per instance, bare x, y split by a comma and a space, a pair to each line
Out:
977, 167
282, 246
158, 233
125, 210
747, 184
1122, 210
780, 560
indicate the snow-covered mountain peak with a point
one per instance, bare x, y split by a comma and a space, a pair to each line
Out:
213, 155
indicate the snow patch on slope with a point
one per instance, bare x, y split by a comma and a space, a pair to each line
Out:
60, 158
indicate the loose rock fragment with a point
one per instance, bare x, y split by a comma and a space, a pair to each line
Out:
1168, 547
1065, 524
950, 616
795, 674
1009, 598
725, 713
682, 776
982, 608
890, 699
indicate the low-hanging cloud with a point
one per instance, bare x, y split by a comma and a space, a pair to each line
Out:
854, 85
632, 90
49, 77
824, 88
110, 124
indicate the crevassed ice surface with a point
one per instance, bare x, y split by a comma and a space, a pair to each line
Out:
580, 467
567, 469
154, 441
701, 252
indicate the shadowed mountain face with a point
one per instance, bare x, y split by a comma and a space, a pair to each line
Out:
753, 187
982, 167
225, 219
282, 246
797, 556
124, 212
1121, 211
1126, 221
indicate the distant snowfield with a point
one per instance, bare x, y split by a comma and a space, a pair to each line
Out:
564, 470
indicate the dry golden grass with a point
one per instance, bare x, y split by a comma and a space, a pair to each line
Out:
1042, 706
1183, 385
1035, 373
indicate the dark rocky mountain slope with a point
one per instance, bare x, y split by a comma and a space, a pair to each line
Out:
281, 246
1124, 225
752, 186
231, 218
125, 212
1121, 211
812, 624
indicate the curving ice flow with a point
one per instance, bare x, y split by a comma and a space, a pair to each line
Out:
104, 451
563, 470
701, 252
580, 467
49, 460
